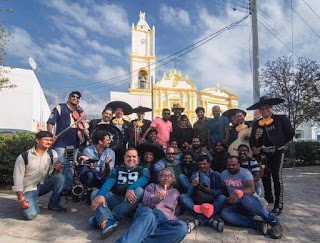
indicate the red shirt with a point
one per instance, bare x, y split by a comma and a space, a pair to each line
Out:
164, 128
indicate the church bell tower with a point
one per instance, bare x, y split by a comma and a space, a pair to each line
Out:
142, 57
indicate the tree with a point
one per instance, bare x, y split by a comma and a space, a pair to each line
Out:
298, 84
4, 38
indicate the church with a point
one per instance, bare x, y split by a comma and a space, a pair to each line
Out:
173, 88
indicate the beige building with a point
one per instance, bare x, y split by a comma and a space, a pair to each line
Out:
172, 88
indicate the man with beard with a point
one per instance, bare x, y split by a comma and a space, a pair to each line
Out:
269, 135
177, 110
61, 115
156, 219
207, 191
198, 151
218, 127
170, 162
220, 156
239, 117
243, 205
200, 127
189, 166
163, 127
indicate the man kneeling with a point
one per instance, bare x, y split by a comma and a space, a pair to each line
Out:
33, 177
127, 183
244, 205
155, 220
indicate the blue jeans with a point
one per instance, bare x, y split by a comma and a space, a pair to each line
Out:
89, 179
188, 203
185, 184
151, 225
67, 169
242, 212
258, 187
54, 184
116, 207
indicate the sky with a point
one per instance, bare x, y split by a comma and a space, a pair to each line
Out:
85, 45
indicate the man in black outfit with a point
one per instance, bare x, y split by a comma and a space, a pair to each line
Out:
269, 135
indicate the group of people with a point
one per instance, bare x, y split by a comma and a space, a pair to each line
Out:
159, 169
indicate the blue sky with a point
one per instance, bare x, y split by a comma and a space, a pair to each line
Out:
79, 45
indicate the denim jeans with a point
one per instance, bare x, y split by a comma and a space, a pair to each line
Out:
188, 203
89, 179
54, 184
116, 207
258, 187
151, 225
242, 212
186, 186
67, 169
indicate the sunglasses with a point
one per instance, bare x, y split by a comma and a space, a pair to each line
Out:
166, 113
171, 153
75, 96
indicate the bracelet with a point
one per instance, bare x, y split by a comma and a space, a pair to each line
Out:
239, 193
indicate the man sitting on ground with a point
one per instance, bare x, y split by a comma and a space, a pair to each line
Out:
243, 205
156, 218
127, 183
31, 177
207, 191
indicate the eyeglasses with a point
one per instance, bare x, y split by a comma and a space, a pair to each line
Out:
75, 96
166, 113
171, 153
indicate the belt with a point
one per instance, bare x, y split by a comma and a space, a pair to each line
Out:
271, 149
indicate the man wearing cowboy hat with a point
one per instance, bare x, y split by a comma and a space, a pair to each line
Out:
269, 134
140, 124
121, 108
177, 110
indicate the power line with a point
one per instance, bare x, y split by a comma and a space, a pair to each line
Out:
303, 20
233, 8
282, 31
277, 37
312, 9
207, 39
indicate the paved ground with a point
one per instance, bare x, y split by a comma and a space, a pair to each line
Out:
300, 218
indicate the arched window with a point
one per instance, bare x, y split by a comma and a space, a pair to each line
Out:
142, 79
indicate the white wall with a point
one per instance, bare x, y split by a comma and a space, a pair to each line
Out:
25, 106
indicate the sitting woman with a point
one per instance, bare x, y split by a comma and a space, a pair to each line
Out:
220, 156
184, 133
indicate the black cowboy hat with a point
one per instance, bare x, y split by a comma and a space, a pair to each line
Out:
157, 150
114, 133
265, 100
141, 109
127, 109
231, 112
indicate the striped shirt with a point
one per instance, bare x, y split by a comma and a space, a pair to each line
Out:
251, 164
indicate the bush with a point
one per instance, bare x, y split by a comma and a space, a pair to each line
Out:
11, 145
306, 153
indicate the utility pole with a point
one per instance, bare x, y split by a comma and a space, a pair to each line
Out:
152, 96
255, 51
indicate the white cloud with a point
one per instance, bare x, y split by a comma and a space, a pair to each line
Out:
93, 61
174, 16
103, 48
106, 19
107, 72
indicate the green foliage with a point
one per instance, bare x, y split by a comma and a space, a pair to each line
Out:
306, 153
11, 145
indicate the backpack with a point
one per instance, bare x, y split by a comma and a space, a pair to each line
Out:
25, 156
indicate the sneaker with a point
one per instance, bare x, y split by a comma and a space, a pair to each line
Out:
276, 230
218, 224
110, 227
276, 211
58, 209
93, 223
192, 225
261, 226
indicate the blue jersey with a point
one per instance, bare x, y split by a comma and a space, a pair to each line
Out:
122, 179
61, 115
